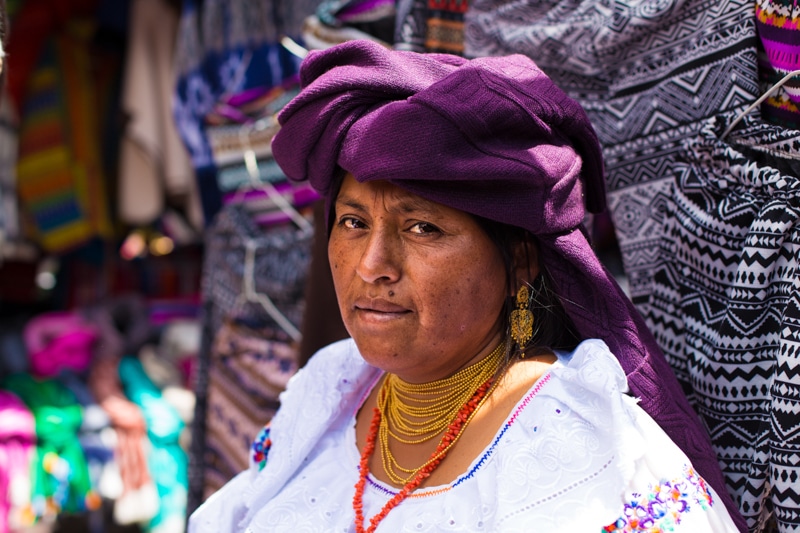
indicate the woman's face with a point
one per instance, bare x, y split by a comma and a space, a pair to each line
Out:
420, 285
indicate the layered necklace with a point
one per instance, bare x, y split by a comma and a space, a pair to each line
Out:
415, 413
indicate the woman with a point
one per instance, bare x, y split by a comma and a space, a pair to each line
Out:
480, 390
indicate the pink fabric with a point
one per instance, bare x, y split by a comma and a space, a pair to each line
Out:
58, 340
17, 436
15, 418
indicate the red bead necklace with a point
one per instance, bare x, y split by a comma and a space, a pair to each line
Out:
454, 431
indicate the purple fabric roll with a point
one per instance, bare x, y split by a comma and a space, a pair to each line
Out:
496, 138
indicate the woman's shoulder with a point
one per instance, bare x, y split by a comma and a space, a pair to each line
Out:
590, 382
592, 365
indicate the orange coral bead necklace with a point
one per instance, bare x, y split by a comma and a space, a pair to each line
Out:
451, 436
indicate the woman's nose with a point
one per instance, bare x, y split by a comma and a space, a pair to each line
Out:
381, 258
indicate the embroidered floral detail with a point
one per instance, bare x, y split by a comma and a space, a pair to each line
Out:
261, 446
662, 507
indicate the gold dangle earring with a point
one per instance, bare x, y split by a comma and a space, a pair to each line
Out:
521, 320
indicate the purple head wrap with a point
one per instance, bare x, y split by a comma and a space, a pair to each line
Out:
496, 138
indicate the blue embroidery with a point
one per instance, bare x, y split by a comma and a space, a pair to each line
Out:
261, 446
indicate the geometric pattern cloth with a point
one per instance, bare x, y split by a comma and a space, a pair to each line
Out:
726, 303
778, 24
445, 26
248, 370
650, 75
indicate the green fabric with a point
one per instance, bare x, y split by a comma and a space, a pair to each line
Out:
59, 473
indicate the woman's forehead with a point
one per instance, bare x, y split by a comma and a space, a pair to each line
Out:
390, 196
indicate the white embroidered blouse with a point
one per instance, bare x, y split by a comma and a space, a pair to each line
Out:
575, 455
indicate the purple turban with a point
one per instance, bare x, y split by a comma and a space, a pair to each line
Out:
496, 138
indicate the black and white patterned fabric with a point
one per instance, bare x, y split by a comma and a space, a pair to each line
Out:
726, 305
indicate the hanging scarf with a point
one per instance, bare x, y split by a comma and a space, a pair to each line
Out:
166, 459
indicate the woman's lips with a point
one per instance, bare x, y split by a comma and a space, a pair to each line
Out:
379, 306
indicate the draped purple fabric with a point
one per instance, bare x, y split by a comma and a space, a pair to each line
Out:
496, 138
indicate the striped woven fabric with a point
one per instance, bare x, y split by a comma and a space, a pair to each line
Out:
445, 26
60, 182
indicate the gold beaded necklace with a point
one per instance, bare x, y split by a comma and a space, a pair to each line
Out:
415, 413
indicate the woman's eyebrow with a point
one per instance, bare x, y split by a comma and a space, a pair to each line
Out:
405, 205
351, 203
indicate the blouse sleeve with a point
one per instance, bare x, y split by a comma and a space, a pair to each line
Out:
666, 493
223, 510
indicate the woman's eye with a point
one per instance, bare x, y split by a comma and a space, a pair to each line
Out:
424, 227
351, 223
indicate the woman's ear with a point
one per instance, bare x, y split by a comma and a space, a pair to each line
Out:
526, 262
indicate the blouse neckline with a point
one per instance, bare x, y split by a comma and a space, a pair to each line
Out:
388, 490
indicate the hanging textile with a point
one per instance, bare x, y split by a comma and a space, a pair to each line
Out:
338, 21
224, 48
165, 457
57, 341
430, 26
94, 436
60, 177
138, 501
154, 163
728, 285
445, 26
249, 351
248, 370
240, 130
